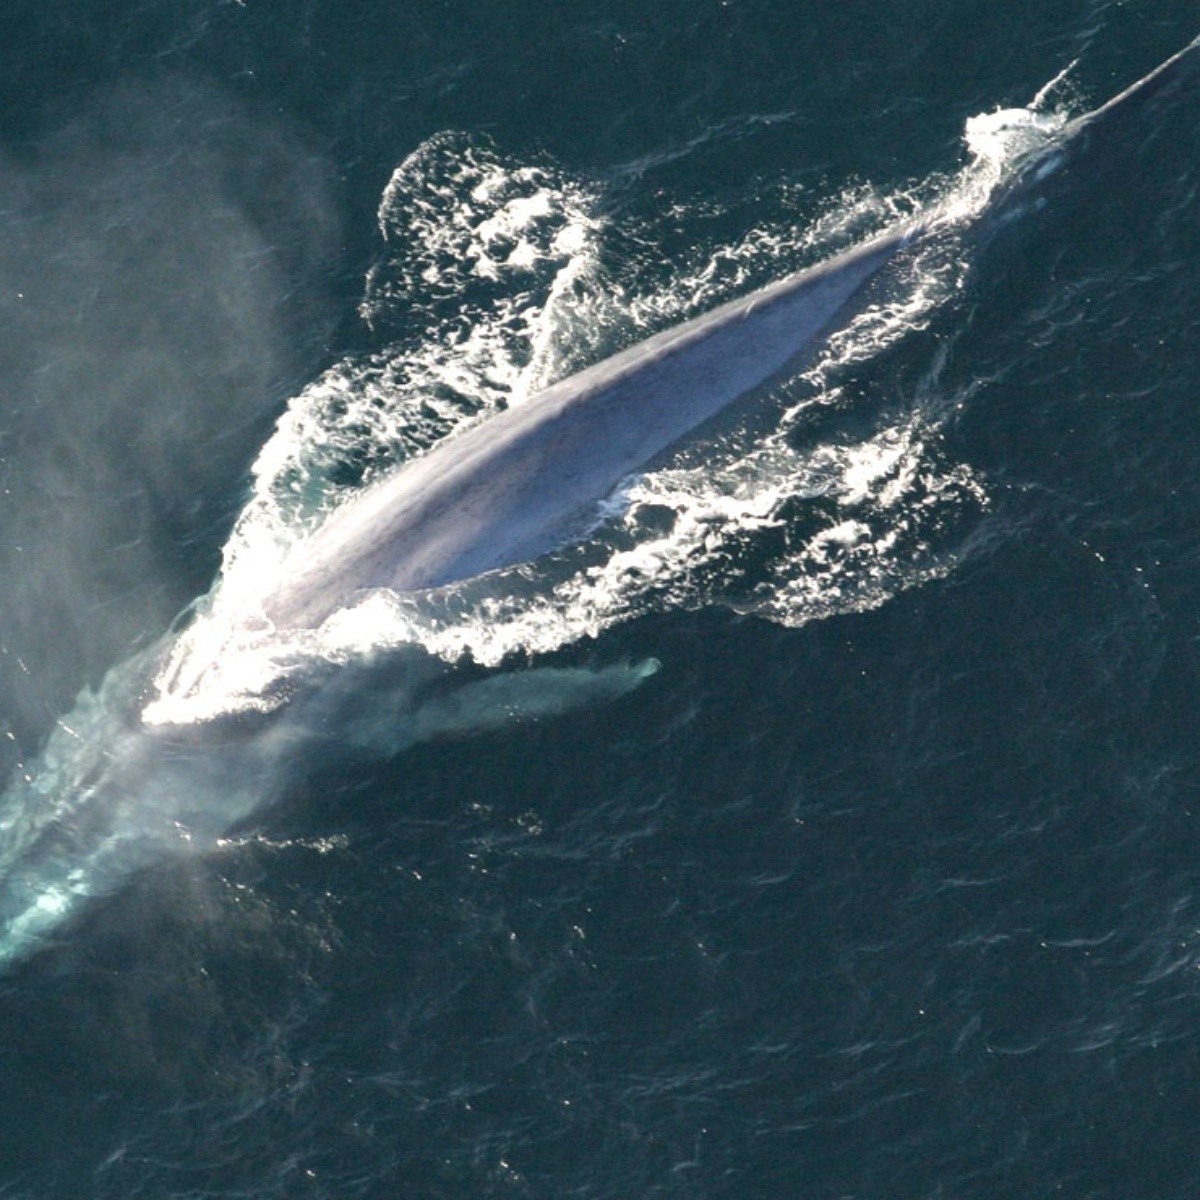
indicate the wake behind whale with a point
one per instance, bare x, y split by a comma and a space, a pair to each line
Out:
135, 773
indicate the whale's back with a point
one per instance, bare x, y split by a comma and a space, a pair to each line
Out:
517, 484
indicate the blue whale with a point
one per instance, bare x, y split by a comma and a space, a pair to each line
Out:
123, 793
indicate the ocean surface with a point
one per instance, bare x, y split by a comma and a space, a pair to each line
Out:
825, 824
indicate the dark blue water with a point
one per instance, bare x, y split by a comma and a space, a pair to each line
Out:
887, 883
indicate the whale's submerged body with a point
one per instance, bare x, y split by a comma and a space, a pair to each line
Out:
507, 490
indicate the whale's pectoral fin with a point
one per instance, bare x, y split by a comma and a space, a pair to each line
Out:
508, 698
530, 695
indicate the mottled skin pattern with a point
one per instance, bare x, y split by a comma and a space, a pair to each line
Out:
521, 482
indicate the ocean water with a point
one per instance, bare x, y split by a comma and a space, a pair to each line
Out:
823, 825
